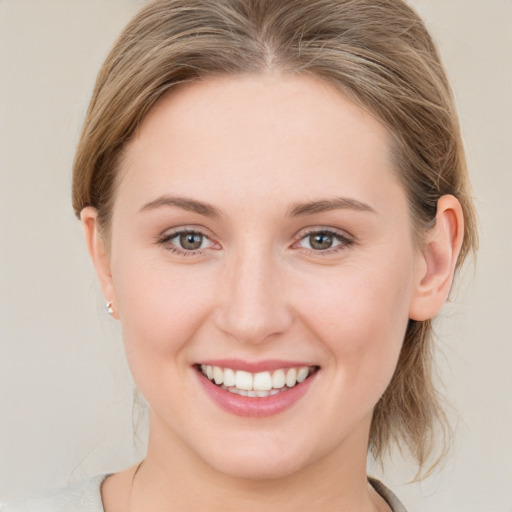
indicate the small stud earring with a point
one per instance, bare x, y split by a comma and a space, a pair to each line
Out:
109, 307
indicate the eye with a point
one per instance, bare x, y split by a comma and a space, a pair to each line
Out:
324, 241
190, 241
186, 242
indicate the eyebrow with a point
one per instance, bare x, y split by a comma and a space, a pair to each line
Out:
300, 209
296, 210
184, 203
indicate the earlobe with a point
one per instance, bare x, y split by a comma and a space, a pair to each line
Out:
439, 257
99, 254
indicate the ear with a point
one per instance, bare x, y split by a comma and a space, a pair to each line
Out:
99, 254
439, 256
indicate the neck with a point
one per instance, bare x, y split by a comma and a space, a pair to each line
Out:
173, 477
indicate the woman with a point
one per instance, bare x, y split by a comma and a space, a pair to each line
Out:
275, 200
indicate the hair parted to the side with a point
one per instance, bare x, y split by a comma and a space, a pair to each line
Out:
377, 52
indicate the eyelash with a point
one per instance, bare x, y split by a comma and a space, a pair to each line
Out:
343, 240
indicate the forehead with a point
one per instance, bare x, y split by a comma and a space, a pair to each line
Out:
265, 136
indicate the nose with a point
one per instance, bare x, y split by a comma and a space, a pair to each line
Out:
253, 306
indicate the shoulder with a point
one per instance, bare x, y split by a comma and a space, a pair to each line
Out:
84, 496
390, 497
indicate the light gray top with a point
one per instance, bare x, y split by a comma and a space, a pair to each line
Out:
85, 496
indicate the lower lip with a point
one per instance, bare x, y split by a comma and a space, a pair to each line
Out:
257, 406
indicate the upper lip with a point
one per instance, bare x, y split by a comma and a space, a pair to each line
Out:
255, 366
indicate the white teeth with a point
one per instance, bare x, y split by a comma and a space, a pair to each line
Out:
243, 380
229, 377
261, 394
291, 377
278, 379
302, 374
218, 375
261, 384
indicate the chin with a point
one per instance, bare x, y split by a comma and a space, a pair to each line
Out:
259, 460
260, 469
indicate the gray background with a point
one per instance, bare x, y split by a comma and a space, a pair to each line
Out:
65, 392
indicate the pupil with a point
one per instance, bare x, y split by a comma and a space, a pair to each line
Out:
320, 241
191, 241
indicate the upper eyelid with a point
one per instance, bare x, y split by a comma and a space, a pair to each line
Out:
334, 231
172, 232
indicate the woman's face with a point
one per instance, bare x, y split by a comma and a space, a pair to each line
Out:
259, 229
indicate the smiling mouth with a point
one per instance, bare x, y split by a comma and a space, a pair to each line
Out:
256, 385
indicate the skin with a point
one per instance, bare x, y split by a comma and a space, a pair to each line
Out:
253, 148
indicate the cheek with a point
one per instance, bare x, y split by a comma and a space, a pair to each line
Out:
160, 309
361, 316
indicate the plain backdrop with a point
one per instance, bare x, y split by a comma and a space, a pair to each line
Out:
65, 393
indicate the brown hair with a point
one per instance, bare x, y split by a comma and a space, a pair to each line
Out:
377, 52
